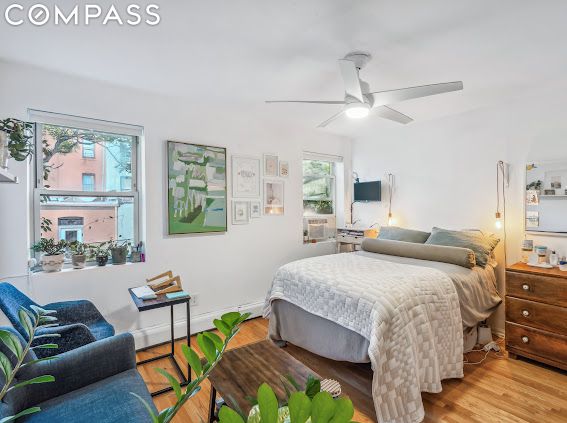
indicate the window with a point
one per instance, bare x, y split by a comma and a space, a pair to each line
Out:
85, 200
125, 183
319, 196
318, 187
88, 182
88, 149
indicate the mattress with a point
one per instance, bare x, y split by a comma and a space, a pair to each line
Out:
476, 289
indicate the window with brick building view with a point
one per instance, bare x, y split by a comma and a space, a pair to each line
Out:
86, 189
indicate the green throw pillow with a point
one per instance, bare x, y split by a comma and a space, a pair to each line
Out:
393, 233
481, 244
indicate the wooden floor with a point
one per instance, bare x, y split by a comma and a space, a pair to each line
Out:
497, 390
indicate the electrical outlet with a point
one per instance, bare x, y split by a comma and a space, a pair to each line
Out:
194, 299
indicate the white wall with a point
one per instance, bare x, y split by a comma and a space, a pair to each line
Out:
227, 270
446, 168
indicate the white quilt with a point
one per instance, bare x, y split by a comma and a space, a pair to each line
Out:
409, 314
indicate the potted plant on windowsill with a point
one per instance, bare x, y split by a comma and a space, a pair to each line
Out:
78, 252
119, 251
53, 253
16, 141
100, 252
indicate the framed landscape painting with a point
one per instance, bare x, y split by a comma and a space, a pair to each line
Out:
196, 198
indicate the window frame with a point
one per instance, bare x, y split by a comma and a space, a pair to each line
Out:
83, 180
330, 177
48, 118
93, 150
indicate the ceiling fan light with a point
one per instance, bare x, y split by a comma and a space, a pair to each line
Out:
357, 110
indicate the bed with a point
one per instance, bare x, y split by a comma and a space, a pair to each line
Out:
411, 318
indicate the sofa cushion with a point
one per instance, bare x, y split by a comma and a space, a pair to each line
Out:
401, 234
109, 400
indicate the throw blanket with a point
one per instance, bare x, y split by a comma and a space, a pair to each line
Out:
409, 314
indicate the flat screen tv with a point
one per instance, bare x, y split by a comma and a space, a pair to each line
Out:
368, 191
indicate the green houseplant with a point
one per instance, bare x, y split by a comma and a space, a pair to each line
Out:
31, 321
53, 253
119, 251
16, 140
78, 252
213, 347
100, 252
310, 405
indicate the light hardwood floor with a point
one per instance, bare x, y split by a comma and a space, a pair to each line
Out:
497, 390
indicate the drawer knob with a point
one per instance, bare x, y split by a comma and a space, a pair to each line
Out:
525, 313
525, 287
525, 339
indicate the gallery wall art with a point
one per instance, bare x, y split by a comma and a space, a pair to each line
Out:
240, 212
197, 197
245, 177
271, 165
273, 197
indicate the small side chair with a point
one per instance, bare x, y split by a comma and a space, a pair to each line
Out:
80, 322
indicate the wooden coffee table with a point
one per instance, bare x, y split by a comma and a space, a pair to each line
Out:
242, 370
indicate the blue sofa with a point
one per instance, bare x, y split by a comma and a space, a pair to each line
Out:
80, 322
93, 384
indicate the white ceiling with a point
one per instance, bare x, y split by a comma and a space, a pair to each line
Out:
243, 52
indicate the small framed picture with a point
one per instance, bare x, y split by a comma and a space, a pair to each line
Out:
556, 182
270, 165
255, 209
240, 212
284, 169
273, 198
245, 177
549, 192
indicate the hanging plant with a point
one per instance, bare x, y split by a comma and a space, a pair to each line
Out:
20, 138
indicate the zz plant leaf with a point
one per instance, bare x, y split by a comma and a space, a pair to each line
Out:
213, 348
31, 321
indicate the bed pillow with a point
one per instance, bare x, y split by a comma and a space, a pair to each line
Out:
463, 257
401, 234
481, 244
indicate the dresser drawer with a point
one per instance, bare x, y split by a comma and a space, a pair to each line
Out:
536, 287
537, 342
537, 315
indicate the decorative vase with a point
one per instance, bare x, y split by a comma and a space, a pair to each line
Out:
101, 260
136, 257
119, 255
52, 263
79, 261
4, 153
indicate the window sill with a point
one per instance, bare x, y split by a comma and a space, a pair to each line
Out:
327, 241
86, 268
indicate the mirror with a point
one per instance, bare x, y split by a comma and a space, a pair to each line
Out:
546, 197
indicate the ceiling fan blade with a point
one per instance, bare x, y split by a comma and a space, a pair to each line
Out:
381, 98
391, 114
305, 101
332, 118
351, 79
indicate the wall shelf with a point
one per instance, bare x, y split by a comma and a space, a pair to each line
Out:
551, 196
7, 177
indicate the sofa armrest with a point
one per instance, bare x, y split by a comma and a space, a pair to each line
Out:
78, 368
70, 337
79, 311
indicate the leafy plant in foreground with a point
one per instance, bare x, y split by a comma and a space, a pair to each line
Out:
311, 405
213, 348
31, 321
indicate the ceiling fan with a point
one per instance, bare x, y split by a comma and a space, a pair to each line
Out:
359, 101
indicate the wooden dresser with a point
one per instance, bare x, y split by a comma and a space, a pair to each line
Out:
536, 314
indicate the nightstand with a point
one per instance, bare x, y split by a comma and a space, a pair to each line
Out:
536, 314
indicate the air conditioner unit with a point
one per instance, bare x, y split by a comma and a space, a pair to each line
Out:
317, 229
